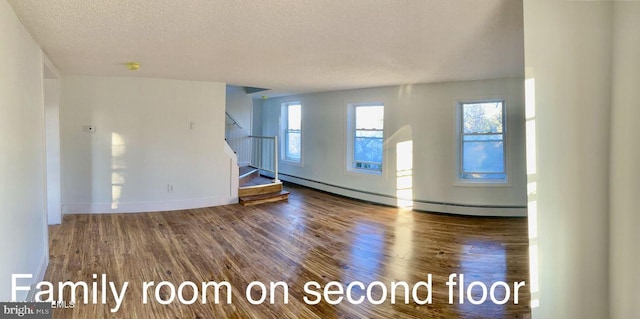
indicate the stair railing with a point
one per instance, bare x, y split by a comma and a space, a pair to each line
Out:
264, 154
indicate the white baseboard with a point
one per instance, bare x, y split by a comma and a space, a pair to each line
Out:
449, 208
39, 277
140, 207
472, 210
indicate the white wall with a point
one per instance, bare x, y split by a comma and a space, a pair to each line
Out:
257, 116
143, 142
23, 221
240, 106
425, 114
624, 223
568, 69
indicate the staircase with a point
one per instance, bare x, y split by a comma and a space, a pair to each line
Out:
255, 189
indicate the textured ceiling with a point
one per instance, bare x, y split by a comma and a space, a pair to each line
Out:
286, 45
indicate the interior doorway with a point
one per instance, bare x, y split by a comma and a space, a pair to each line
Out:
51, 93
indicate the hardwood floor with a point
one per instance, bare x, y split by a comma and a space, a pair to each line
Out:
312, 237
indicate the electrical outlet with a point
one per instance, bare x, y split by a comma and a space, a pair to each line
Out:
169, 188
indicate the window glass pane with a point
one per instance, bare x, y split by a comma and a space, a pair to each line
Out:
294, 112
368, 166
482, 117
367, 150
369, 117
483, 157
368, 137
484, 176
489, 137
293, 145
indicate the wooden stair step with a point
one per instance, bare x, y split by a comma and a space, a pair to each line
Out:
247, 174
260, 189
264, 198
260, 180
245, 169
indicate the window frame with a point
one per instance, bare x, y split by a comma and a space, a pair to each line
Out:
461, 180
285, 131
351, 138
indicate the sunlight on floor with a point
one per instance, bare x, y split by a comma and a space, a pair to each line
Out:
402, 247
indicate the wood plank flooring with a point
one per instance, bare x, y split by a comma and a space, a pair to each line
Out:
312, 237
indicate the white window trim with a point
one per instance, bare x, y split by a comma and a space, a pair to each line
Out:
458, 180
351, 122
284, 114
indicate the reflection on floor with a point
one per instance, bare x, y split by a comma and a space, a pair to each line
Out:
313, 237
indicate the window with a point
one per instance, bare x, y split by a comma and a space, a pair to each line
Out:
292, 150
482, 137
368, 136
